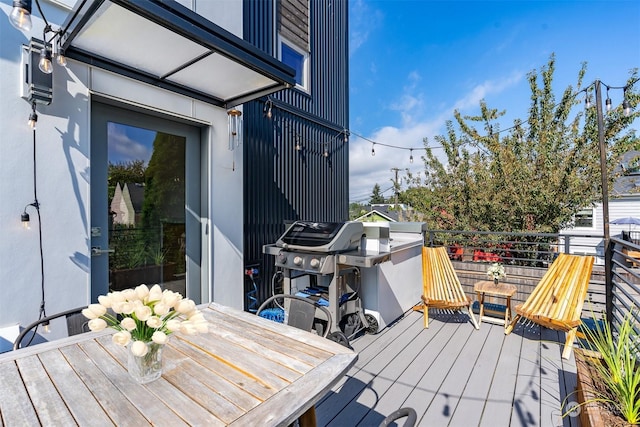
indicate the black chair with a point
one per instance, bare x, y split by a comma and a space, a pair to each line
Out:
410, 413
76, 324
299, 312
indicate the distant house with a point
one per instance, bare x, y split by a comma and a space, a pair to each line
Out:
384, 212
126, 205
624, 200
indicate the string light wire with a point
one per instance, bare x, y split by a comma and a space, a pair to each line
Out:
518, 126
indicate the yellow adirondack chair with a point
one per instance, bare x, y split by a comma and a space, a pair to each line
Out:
441, 287
556, 301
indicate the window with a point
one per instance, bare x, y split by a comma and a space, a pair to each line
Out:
584, 219
297, 60
293, 38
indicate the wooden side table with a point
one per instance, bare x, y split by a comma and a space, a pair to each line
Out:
503, 290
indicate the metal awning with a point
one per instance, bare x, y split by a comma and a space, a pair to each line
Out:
163, 43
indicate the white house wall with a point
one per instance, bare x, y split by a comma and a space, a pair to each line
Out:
590, 240
63, 187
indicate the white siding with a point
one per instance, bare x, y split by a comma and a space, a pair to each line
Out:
590, 240
63, 165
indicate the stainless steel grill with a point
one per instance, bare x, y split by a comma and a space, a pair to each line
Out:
308, 253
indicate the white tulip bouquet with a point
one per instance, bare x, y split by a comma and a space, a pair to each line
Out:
146, 315
496, 271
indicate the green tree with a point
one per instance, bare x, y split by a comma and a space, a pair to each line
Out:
164, 181
163, 209
533, 176
376, 195
125, 172
356, 210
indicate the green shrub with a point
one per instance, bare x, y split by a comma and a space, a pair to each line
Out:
618, 369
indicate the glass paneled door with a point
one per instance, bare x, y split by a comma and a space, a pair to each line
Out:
145, 202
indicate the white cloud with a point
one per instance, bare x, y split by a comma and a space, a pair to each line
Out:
124, 147
411, 102
367, 170
362, 22
488, 87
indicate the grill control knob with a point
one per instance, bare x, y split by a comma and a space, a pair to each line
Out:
314, 263
297, 260
282, 258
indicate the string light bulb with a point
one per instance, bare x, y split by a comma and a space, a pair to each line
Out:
587, 100
45, 61
326, 151
411, 155
608, 101
20, 16
25, 220
33, 117
346, 136
298, 146
626, 107
373, 150
60, 58
24, 217
267, 109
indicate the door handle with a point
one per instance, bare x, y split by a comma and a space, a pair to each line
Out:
97, 250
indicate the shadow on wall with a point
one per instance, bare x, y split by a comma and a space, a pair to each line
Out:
7, 336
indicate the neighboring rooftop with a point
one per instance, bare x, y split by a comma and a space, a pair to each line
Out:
629, 182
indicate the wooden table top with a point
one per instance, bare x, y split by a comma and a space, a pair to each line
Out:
501, 289
245, 371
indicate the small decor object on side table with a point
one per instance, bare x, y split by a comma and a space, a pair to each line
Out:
496, 272
147, 318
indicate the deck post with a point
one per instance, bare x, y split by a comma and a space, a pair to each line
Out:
605, 205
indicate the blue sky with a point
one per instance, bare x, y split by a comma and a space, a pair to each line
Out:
412, 62
129, 143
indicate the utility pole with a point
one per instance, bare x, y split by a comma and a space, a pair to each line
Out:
395, 187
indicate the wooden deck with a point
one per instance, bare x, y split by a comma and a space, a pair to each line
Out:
454, 375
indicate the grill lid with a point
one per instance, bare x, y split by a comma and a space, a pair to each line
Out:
326, 237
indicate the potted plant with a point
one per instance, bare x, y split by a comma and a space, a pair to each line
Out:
159, 258
496, 271
608, 376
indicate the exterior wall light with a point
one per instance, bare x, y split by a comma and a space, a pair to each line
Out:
20, 17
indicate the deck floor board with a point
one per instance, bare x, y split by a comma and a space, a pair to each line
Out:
454, 375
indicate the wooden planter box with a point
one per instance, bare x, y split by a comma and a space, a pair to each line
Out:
590, 412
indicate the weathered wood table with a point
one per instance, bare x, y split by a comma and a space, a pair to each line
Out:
504, 290
245, 371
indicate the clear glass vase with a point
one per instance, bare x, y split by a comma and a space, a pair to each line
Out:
147, 368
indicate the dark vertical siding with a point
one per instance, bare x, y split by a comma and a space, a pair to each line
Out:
280, 183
